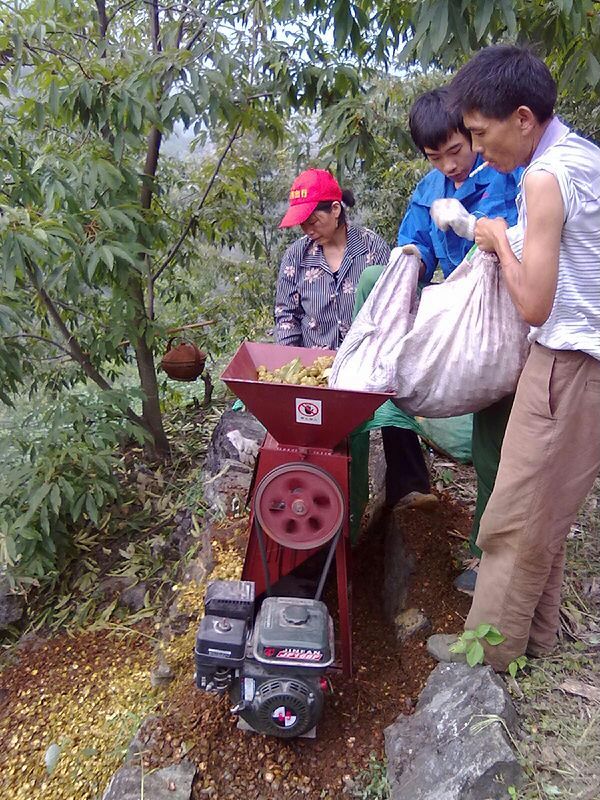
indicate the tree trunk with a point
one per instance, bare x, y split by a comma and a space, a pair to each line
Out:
151, 413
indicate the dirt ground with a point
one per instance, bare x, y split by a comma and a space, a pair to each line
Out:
64, 691
388, 679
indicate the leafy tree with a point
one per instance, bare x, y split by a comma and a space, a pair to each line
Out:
445, 32
64, 472
89, 93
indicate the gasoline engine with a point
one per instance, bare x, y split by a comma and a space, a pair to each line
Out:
271, 663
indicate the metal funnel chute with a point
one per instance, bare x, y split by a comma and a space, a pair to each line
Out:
303, 416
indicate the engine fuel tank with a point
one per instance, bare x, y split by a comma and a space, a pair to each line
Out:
294, 631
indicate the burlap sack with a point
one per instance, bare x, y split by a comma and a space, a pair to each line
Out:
457, 350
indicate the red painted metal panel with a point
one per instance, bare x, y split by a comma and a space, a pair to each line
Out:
282, 560
333, 413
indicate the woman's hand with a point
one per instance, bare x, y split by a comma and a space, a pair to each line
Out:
489, 233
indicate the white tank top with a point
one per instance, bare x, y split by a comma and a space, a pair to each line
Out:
574, 322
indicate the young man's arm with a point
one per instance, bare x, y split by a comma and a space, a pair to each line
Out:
531, 281
415, 230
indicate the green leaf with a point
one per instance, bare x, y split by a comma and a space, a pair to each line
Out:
67, 489
459, 646
55, 498
110, 174
593, 69
36, 500
78, 507
53, 100
483, 15
342, 23
494, 637
187, 106
475, 654
85, 93
91, 508
107, 256
482, 630
93, 263
509, 16
122, 218
44, 522
438, 32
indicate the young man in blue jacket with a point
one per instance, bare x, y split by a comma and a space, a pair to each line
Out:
445, 142
441, 136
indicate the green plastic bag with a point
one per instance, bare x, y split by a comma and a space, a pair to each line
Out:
451, 436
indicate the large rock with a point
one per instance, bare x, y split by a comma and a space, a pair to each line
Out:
399, 565
455, 746
228, 473
169, 783
11, 605
377, 467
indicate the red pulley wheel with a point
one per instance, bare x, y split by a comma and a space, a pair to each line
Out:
299, 506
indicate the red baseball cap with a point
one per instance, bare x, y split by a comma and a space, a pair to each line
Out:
308, 190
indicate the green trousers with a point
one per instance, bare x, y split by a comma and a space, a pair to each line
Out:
489, 425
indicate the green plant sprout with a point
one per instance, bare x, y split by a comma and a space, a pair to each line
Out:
470, 642
516, 665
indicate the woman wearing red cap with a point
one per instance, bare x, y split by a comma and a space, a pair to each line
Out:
314, 305
320, 271
317, 284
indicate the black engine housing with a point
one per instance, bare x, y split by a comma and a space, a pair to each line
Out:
274, 669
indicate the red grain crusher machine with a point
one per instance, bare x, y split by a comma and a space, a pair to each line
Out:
271, 659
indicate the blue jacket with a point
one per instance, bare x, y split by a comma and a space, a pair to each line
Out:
487, 194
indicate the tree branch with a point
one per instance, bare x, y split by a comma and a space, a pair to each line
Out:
73, 348
103, 23
194, 38
118, 9
155, 27
60, 53
39, 339
76, 310
193, 219
147, 190
169, 331
152, 153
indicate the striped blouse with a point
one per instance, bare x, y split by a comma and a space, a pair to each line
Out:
574, 322
313, 305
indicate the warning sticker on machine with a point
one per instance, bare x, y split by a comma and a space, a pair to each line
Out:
309, 412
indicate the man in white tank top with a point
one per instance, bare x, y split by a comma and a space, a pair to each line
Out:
551, 452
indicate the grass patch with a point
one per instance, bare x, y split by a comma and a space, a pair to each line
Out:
372, 783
